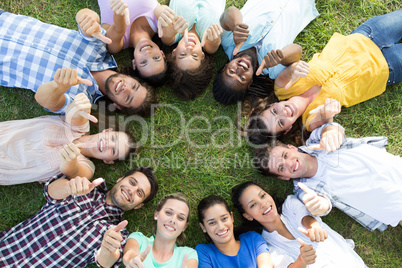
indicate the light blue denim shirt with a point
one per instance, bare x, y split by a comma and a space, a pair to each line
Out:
273, 24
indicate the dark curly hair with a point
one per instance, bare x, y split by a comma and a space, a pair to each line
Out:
189, 84
261, 86
262, 155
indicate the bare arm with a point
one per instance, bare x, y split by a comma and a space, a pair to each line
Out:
230, 18
132, 255
70, 166
117, 30
51, 94
264, 260
62, 188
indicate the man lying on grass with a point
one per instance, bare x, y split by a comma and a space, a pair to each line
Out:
69, 228
357, 176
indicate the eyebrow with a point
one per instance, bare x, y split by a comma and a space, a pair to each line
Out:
282, 156
116, 147
136, 89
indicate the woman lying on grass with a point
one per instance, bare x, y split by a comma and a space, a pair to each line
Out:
216, 221
160, 250
350, 70
133, 23
191, 68
39, 148
288, 241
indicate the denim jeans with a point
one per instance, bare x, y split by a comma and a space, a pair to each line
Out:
386, 31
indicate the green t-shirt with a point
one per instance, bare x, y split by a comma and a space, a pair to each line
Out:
176, 259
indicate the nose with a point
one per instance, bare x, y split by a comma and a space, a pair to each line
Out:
220, 225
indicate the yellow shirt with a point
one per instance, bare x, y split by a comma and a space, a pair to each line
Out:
350, 69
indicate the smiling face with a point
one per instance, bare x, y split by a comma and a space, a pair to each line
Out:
172, 219
288, 162
188, 55
129, 192
108, 145
238, 73
149, 60
218, 224
280, 116
258, 205
125, 91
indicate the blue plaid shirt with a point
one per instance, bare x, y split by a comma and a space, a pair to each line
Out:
31, 51
321, 187
64, 233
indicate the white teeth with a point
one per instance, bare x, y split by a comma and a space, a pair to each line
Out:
244, 65
266, 211
101, 145
145, 47
222, 233
297, 166
118, 87
125, 195
169, 228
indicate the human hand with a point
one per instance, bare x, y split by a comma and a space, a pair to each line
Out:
317, 205
212, 34
240, 35
299, 69
315, 233
165, 23
273, 58
82, 186
66, 78
180, 25
89, 24
331, 139
120, 8
68, 155
184, 262
82, 105
137, 261
307, 253
328, 110
112, 238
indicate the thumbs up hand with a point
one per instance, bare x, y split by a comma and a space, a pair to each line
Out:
315, 233
307, 253
112, 239
82, 186
316, 204
137, 261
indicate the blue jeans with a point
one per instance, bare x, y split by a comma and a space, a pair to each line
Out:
386, 31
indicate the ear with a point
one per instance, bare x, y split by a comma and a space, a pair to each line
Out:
156, 214
134, 65
117, 106
163, 54
290, 146
202, 227
108, 162
283, 178
203, 55
119, 179
139, 206
174, 52
287, 130
247, 216
231, 215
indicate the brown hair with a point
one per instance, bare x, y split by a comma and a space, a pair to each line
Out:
176, 196
189, 84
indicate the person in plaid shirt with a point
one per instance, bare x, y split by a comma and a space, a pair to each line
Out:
69, 228
33, 53
358, 176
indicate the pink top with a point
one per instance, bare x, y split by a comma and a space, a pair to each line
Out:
30, 149
137, 8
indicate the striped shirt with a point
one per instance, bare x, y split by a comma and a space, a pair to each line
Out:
31, 51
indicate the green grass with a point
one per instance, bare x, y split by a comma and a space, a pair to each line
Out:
198, 150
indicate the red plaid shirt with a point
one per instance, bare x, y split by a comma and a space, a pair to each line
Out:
64, 233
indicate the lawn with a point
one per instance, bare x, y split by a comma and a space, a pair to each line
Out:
194, 146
